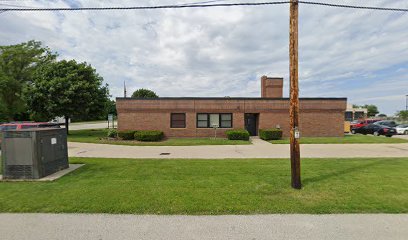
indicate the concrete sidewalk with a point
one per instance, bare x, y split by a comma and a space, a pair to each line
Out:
259, 149
118, 227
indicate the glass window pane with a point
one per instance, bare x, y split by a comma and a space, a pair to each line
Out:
201, 116
178, 116
202, 124
225, 117
214, 120
178, 124
178, 120
226, 124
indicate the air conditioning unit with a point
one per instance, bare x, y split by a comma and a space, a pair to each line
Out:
34, 153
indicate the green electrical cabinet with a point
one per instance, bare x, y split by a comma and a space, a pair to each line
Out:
34, 153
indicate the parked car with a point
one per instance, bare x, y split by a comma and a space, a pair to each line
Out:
387, 123
361, 123
402, 129
376, 130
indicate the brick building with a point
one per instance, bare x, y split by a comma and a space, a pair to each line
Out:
195, 117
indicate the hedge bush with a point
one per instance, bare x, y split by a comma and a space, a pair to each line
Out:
149, 136
112, 133
270, 134
127, 135
237, 134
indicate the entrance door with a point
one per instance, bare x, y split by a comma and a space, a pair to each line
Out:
251, 123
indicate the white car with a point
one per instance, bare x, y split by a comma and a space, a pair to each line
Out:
402, 129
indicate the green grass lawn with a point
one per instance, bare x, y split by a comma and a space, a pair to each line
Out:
216, 187
346, 139
99, 136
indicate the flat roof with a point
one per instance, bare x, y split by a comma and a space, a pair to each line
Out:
232, 98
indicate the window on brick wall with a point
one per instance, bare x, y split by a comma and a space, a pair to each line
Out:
208, 120
226, 120
215, 120
202, 120
178, 120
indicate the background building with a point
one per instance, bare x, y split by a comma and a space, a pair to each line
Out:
196, 117
355, 113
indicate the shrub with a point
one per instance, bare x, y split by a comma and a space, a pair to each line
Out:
149, 136
237, 134
270, 134
127, 135
112, 133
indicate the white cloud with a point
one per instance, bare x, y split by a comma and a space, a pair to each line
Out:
357, 54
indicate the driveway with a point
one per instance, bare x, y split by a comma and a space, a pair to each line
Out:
118, 227
259, 149
401, 136
88, 125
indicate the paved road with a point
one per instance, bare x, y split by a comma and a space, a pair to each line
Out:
401, 136
259, 149
88, 125
118, 227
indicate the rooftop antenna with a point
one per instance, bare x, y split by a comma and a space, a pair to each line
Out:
124, 89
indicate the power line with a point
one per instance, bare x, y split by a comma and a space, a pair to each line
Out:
143, 7
355, 7
211, 1
199, 6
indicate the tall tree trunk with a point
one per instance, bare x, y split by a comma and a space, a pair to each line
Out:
67, 124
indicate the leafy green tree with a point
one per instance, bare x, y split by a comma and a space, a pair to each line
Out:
3, 117
17, 65
372, 110
66, 88
403, 115
144, 93
110, 108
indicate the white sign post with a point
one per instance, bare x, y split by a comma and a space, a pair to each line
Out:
215, 126
110, 119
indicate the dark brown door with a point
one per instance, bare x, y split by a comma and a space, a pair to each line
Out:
250, 123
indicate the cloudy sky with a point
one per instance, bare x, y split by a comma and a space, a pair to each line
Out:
358, 54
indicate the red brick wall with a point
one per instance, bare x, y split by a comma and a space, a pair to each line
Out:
271, 87
317, 117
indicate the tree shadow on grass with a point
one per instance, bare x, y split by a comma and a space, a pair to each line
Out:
340, 173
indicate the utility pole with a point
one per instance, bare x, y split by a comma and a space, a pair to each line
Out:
294, 95
406, 102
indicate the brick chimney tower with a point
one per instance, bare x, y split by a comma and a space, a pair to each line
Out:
271, 87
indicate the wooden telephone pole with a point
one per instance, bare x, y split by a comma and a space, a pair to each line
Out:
294, 95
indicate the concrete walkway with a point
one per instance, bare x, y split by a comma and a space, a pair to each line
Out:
118, 227
259, 149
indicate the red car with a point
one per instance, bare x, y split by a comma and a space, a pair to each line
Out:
362, 123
